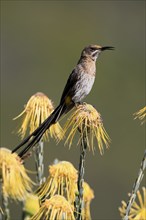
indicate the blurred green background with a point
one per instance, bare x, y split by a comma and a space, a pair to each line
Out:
41, 43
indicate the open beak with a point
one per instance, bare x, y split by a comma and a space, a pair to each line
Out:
107, 48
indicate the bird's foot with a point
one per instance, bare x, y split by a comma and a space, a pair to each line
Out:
80, 103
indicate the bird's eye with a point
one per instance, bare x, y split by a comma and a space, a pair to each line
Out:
92, 48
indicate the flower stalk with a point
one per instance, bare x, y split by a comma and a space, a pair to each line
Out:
88, 122
79, 197
138, 208
135, 188
38, 156
5, 207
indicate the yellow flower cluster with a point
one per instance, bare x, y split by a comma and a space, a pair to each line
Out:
16, 183
58, 193
88, 122
57, 207
61, 188
37, 109
62, 180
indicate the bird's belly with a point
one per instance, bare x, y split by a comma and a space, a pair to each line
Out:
83, 87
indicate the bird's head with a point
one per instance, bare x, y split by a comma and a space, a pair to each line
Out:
93, 51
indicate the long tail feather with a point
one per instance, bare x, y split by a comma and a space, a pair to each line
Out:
35, 136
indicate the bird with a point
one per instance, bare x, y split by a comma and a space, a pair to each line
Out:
78, 86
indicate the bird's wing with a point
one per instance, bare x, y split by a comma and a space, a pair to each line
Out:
69, 85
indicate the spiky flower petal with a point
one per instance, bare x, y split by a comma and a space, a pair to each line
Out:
37, 109
62, 180
141, 114
15, 182
88, 121
55, 208
138, 209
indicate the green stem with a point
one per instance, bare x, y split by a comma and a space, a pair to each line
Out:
5, 207
39, 156
136, 187
79, 198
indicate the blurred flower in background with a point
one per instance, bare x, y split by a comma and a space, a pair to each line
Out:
88, 195
31, 205
88, 121
138, 209
37, 109
141, 114
15, 182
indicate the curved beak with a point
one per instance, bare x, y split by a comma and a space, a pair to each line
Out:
107, 48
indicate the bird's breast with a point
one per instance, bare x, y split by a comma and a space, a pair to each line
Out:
83, 86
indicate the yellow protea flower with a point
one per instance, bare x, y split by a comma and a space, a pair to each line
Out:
55, 208
89, 122
62, 180
37, 109
31, 204
141, 114
88, 195
15, 182
138, 209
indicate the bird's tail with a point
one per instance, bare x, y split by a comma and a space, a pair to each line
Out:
35, 136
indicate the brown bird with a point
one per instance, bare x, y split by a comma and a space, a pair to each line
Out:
78, 86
